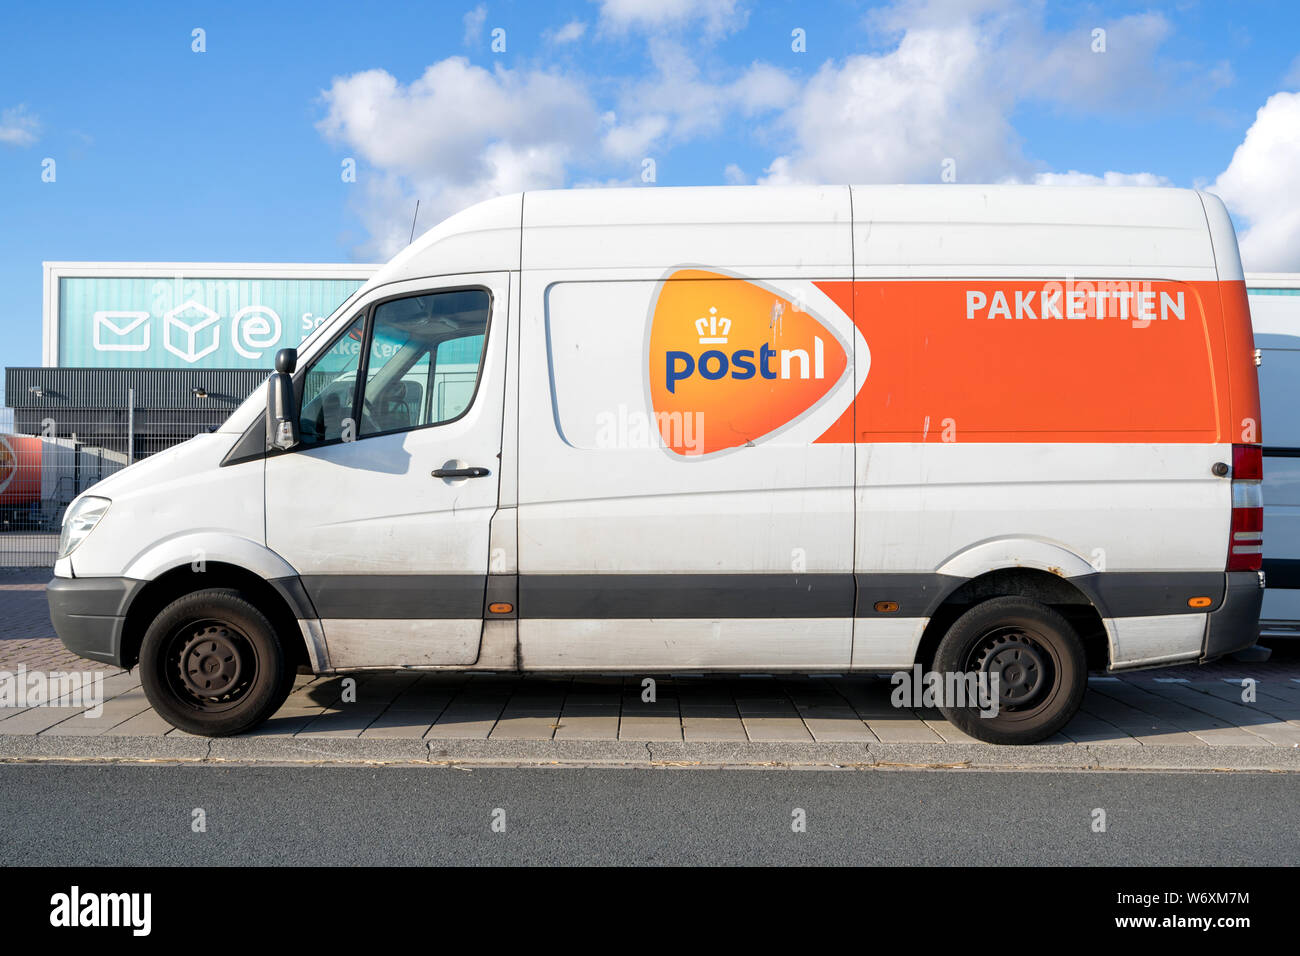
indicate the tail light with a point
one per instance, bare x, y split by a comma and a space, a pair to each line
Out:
1246, 540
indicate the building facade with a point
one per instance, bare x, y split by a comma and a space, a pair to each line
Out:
137, 357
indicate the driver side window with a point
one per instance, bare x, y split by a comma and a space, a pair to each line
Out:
425, 355
419, 359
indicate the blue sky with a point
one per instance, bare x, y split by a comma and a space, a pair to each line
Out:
234, 154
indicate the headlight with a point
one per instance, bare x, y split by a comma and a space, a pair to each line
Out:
79, 522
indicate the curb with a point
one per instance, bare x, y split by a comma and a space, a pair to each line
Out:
628, 753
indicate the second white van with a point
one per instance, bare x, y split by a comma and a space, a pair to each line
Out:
1275, 317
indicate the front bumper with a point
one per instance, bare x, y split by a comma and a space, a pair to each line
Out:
89, 614
1234, 624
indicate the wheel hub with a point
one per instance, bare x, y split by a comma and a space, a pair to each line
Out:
211, 664
1020, 668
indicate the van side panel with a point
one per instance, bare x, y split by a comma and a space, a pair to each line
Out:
659, 527
657, 530
1039, 380
1052, 377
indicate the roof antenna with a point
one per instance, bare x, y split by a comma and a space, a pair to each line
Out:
413, 219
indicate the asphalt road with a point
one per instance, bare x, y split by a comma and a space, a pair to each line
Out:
92, 814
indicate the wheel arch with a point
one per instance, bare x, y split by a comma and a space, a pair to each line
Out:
207, 548
276, 600
1050, 587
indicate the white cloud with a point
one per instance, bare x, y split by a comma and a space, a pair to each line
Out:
461, 133
686, 104
474, 21
569, 33
1076, 178
943, 88
633, 140
1034, 62
1260, 187
953, 75
456, 135
715, 17
18, 127
1062, 68
733, 175
897, 116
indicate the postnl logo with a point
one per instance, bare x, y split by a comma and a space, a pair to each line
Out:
732, 361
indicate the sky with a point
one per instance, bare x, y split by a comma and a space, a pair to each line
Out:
306, 132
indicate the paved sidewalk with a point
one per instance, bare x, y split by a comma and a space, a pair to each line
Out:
1190, 716
760, 721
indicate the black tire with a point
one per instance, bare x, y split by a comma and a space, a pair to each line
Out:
212, 664
1039, 661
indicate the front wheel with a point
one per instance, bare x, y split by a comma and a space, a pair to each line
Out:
212, 664
1033, 657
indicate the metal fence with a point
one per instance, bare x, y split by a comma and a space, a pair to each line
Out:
52, 454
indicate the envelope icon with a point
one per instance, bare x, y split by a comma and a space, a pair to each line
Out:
183, 329
113, 331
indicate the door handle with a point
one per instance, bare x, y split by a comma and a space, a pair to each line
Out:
461, 472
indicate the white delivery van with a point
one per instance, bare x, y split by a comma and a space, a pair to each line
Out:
999, 431
1275, 316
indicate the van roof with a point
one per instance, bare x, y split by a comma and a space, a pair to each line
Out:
802, 231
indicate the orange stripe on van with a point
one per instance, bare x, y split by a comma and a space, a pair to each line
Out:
1239, 350
733, 361
1043, 361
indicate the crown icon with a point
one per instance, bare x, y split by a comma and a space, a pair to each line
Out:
713, 329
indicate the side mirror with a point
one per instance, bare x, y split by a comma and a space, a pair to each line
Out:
281, 416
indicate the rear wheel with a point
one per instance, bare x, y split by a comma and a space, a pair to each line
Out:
1032, 654
211, 663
